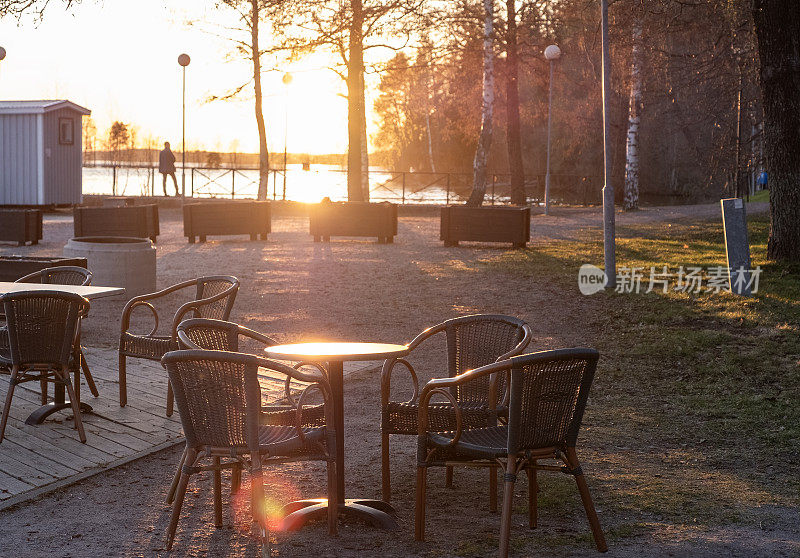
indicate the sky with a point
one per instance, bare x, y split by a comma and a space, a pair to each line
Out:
118, 58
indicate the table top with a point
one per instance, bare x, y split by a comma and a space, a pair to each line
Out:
86, 292
336, 351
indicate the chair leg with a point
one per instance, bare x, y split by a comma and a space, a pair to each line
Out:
175, 479
533, 495
43, 387
76, 382
236, 478
76, 404
170, 399
257, 504
386, 481
448, 476
333, 507
217, 492
88, 375
508, 498
7, 407
123, 385
419, 511
588, 505
190, 458
493, 488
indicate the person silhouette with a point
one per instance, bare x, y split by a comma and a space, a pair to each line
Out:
166, 166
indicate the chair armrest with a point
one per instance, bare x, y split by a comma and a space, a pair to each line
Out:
287, 386
144, 300
386, 380
441, 386
517, 350
256, 336
316, 381
388, 365
293, 372
422, 416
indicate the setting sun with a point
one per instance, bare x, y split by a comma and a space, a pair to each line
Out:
121, 63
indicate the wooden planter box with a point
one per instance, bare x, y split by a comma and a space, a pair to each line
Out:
140, 221
21, 225
226, 218
14, 267
329, 219
485, 224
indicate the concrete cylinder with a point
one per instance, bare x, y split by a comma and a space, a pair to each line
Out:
117, 261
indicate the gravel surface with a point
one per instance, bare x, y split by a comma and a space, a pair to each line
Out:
294, 289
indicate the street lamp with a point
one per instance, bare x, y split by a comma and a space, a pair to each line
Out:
609, 256
287, 79
551, 53
183, 60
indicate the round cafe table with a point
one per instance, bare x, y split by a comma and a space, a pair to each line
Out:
377, 512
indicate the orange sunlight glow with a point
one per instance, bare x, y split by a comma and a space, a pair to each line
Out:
119, 59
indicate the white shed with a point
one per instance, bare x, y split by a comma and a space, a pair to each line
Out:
41, 154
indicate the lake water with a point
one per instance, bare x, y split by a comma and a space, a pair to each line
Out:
301, 185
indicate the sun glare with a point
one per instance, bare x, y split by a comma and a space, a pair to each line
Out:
95, 55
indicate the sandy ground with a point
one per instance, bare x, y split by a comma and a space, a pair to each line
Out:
294, 289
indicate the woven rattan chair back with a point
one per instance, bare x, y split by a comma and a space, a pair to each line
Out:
211, 335
61, 275
475, 341
548, 397
218, 397
42, 326
212, 286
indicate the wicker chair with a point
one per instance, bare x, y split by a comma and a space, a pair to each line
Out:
39, 344
61, 275
65, 275
472, 341
219, 401
219, 335
548, 393
214, 298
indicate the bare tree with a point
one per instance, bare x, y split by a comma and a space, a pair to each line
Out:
118, 138
487, 109
632, 143
245, 38
349, 29
18, 8
777, 26
513, 136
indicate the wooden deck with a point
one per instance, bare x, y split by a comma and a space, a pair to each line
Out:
37, 459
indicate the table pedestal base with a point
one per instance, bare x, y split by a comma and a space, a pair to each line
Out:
40, 414
376, 512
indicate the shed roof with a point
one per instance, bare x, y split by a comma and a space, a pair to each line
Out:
39, 107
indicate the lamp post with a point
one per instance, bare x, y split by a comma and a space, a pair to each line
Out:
183, 60
609, 256
287, 79
551, 53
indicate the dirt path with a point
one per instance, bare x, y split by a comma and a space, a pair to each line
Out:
295, 289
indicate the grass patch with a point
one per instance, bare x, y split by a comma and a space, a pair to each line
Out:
697, 394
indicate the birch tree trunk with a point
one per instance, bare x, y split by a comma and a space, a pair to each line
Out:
631, 201
263, 153
355, 96
364, 145
777, 25
513, 139
428, 80
487, 109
